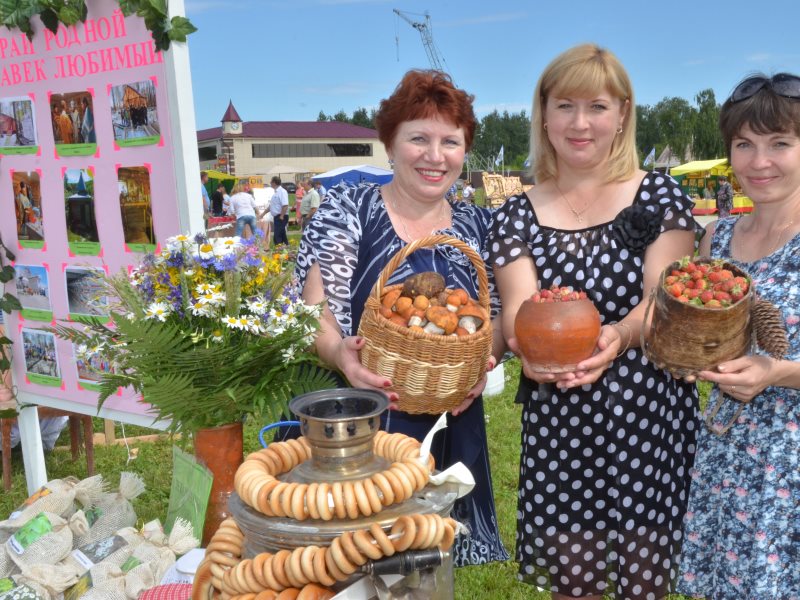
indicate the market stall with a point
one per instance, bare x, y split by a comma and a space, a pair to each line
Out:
699, 175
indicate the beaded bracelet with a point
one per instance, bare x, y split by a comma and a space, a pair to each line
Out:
630, 337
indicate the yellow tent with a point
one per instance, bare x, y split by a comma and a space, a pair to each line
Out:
219, 175
716, 166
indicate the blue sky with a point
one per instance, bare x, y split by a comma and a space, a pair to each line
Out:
287, 60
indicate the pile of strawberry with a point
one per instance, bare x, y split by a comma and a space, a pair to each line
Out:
558, 294
705, 284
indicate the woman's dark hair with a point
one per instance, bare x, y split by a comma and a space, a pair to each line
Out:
764, 112
424, 95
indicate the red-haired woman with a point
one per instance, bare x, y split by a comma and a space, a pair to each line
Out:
427, 126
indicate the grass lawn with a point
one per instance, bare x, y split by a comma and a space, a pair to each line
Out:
153, 462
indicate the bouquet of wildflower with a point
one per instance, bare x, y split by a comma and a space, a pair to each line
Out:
207, 331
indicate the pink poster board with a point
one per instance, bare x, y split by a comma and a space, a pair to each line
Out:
90, 177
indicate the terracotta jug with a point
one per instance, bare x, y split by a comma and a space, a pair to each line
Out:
219, 449
556, 336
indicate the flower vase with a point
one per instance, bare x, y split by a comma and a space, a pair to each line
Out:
220, 450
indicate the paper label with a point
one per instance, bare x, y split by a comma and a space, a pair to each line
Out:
6, 584
26, 535
129, 564
40, 493
21, 592
91, 554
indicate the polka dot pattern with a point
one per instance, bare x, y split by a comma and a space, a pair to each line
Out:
604, 469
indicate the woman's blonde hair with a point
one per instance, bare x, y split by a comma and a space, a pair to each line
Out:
584, 71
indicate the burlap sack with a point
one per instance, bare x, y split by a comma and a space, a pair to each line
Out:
160, 551
113, 511
110, 582
57, 497
7, 566
23, 592
111, 551
47, 581
46, 539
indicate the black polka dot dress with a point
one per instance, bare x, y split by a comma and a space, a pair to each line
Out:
604, 468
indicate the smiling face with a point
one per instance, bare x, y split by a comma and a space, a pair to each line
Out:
767, 165
428, 157
582, 129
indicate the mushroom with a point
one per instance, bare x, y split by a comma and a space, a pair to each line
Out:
428, 284
415, 316
402, 304
398, 320
386, 312
471, 317
390, 297
440, 320
422, 302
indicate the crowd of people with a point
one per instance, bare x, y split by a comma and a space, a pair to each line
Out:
622, 492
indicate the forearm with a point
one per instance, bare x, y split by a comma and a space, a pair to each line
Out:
787, 374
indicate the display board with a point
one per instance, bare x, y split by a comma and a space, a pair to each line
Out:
97, 165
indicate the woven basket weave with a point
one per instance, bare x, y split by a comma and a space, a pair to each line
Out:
431, 373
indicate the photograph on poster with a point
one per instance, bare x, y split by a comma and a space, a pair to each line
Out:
33, 287
79, 202
27, 194
90, 364
134, 115
73, 123
86, 291
17, 126
134, 203
40, 353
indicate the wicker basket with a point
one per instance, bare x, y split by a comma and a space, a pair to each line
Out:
431, 373
686, 339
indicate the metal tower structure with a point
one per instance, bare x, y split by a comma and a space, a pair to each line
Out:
434, 56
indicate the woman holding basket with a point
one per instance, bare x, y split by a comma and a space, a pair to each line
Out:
743, 524
606, 447
427, 126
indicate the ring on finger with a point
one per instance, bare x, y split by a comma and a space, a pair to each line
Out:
733, 389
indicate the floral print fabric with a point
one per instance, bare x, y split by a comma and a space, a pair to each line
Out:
742, 529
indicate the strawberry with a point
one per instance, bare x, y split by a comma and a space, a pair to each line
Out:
714, 276
706, 296
703, 268
737, 293
701, 284
682, 299
725, 274
722, 296
697, 275
713, 304
676, 289
690, 284
670, 279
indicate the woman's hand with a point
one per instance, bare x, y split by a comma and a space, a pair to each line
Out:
476, 391
743, 378
349, 363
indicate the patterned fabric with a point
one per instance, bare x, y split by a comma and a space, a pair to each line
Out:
169, 591
351, 238
725, 199
743, 523
604, 468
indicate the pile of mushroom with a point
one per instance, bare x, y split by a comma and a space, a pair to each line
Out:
425, 305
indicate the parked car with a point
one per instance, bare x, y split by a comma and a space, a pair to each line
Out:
289, 186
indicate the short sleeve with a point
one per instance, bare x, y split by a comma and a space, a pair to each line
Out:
512, 225
676, 206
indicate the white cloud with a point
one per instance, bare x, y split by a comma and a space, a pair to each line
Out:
484, 19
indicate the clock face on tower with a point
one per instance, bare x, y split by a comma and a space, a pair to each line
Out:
235, 126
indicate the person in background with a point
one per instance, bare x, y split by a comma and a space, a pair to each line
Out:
244, 209
310, 203
87, 126
468, 193
743, 525
75, 117
426, 125
321, 191
64, 124
206, 199
263, 216
217, 201
724, 197
606, 448
298, 199
279, 209
708, 191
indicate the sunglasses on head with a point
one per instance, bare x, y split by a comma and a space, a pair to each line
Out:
783, 84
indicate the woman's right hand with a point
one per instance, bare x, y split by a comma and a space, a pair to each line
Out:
559, 379
349, 363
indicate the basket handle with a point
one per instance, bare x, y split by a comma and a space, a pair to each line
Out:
715, 409
431, 241
647, 311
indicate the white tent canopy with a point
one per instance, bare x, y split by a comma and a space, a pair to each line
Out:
281, 169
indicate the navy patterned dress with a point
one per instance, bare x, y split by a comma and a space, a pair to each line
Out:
351, 238
604, 468
743, 522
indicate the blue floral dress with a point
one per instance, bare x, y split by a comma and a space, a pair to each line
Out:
351, 238
742, 537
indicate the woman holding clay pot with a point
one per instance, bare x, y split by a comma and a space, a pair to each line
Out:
607, 445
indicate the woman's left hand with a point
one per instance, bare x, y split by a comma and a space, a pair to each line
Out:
742, 378
591, 369
476, 391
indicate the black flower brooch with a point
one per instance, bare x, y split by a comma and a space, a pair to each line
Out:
636, 227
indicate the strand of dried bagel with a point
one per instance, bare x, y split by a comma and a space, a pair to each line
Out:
257, 484
224, 575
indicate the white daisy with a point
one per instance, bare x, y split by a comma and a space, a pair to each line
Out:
158, 310
205, 251
257, 307
231, 322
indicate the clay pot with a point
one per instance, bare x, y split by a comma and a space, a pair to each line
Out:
220, 450
556, 336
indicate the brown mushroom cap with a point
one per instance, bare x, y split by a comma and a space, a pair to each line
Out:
473, 310
402, 304
390, 297
441, 317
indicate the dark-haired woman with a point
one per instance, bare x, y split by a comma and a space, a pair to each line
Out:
743, 525
427, 125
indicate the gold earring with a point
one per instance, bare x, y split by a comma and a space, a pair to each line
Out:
544, 126
619, 130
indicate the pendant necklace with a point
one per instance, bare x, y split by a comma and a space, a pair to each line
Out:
578, 213
403, 223
778, 238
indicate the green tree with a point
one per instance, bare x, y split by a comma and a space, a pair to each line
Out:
647, 133
675, 119
707, 137
509, 131
322, 116
340, 116
363, 118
